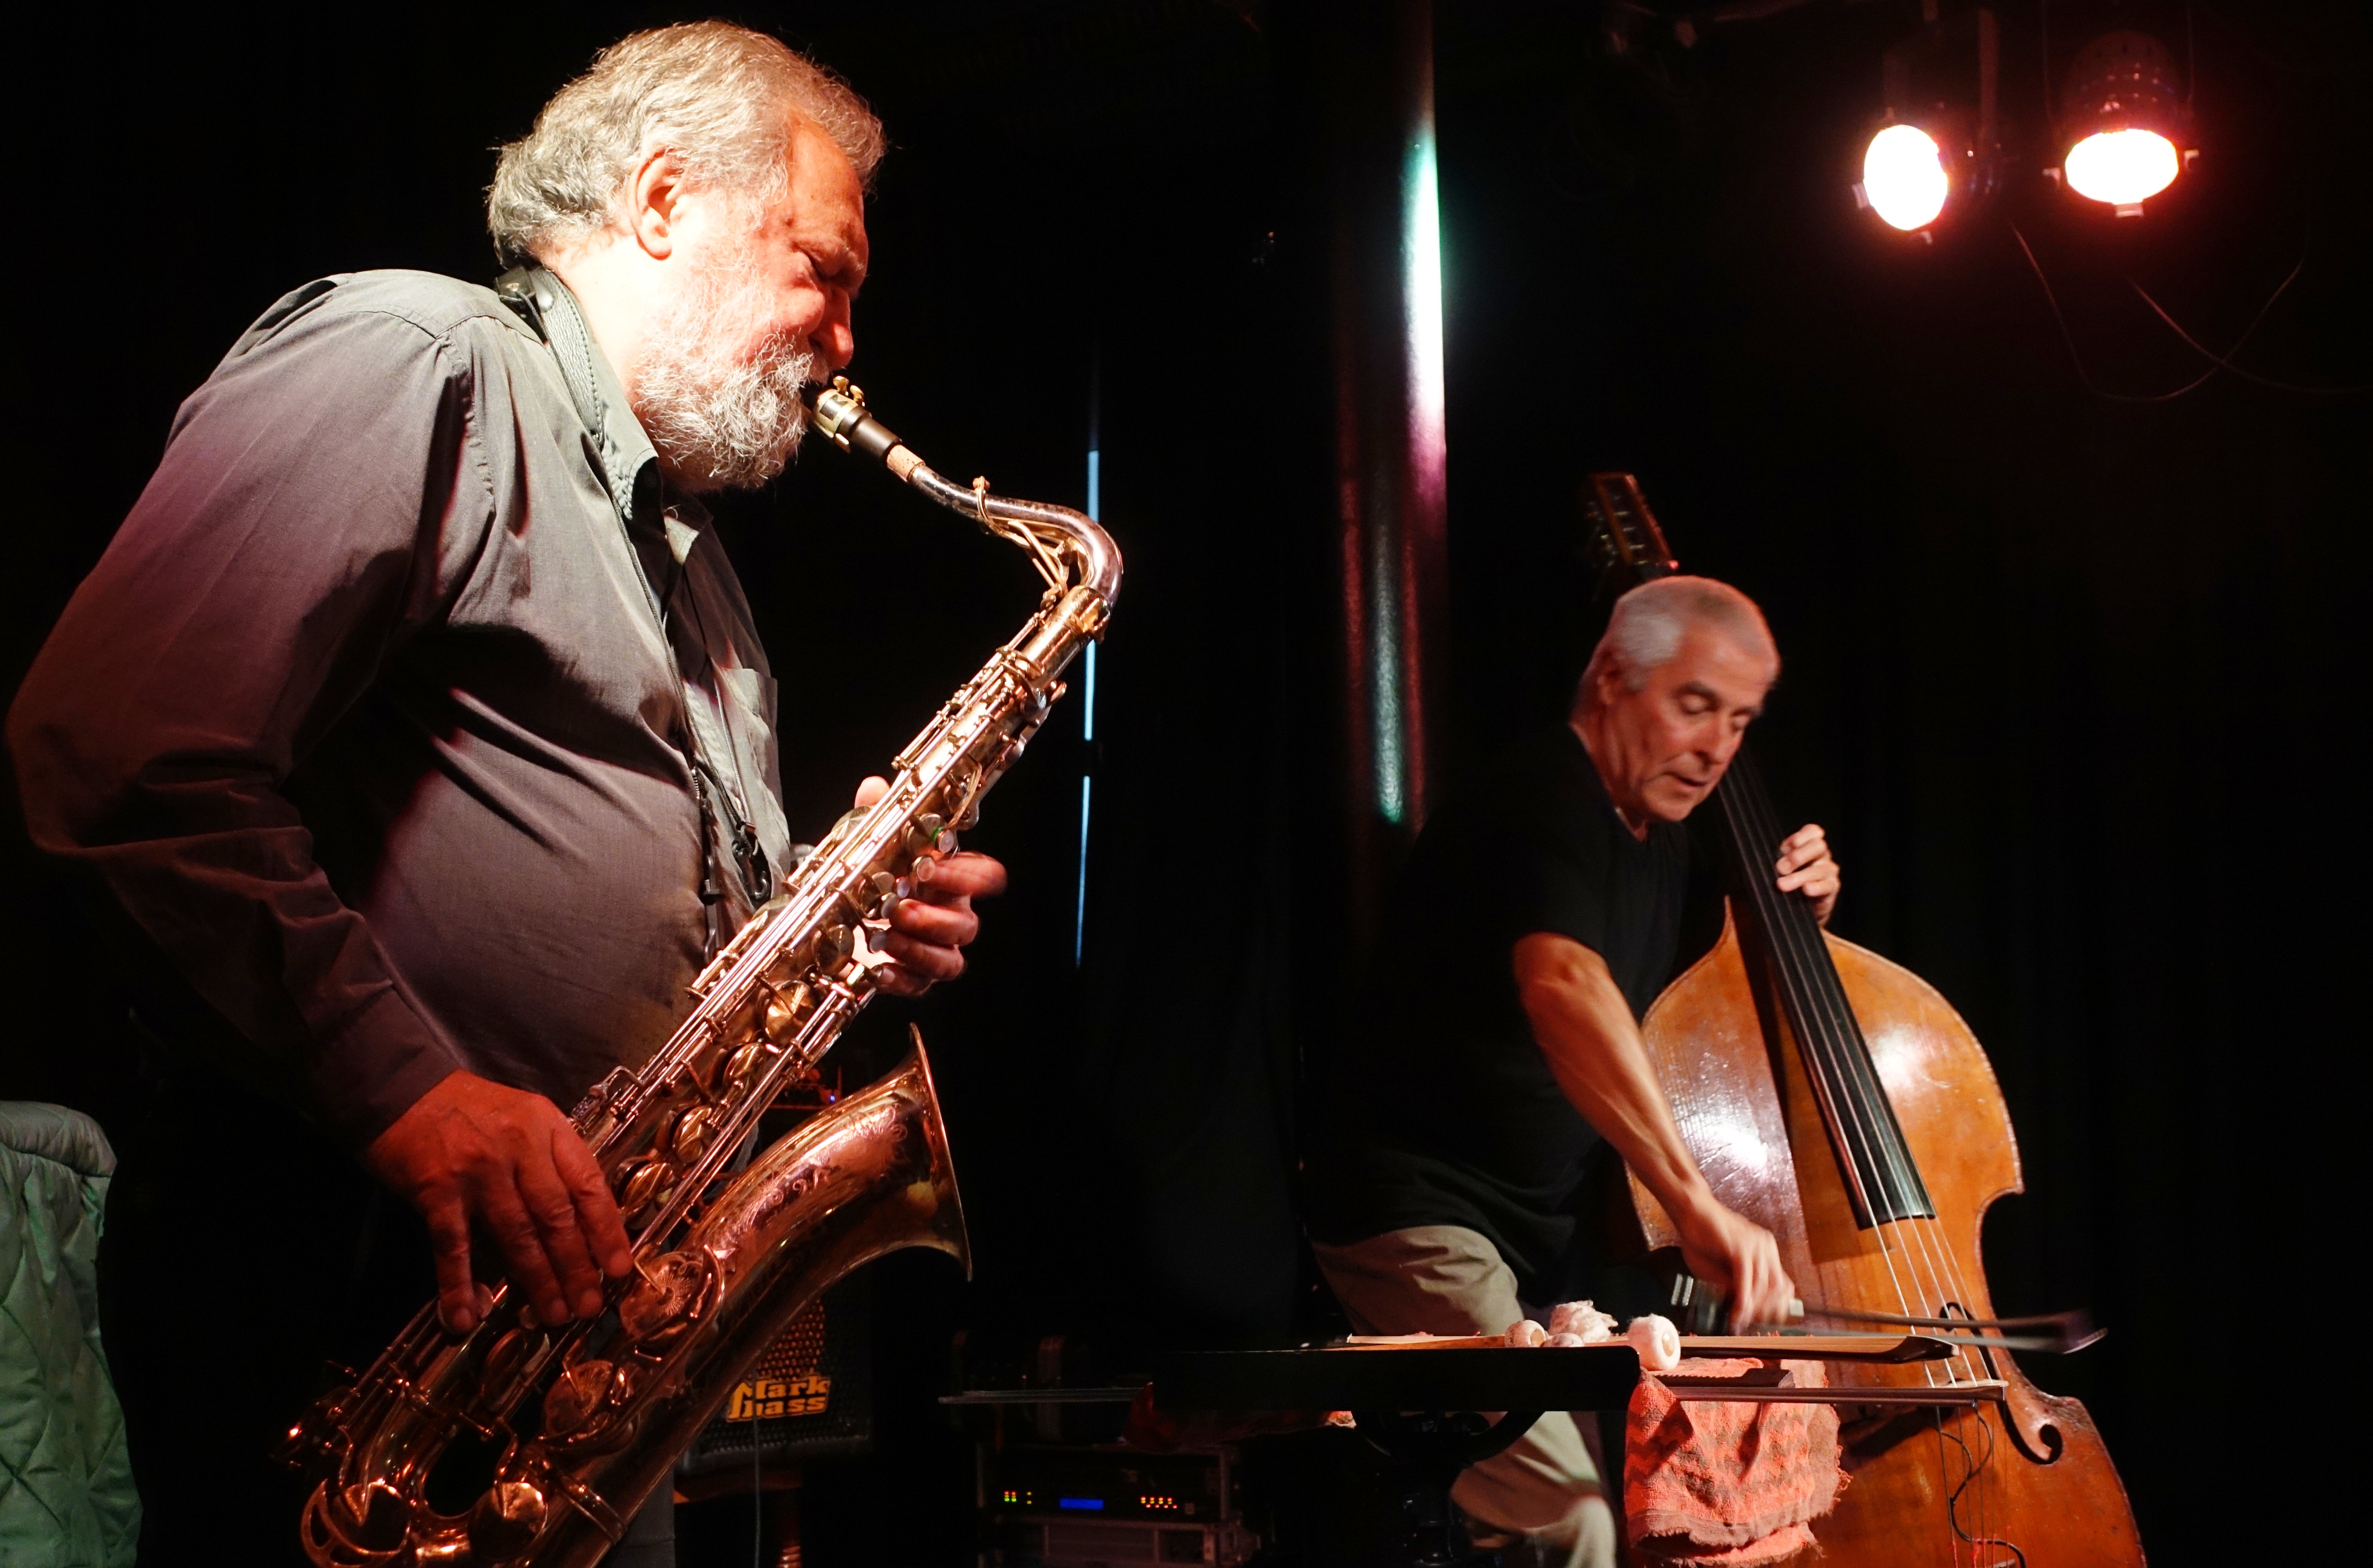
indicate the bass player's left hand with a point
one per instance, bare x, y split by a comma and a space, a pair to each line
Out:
929, 930
1806, 866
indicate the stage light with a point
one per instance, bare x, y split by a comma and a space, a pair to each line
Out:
1933, 155
2124, 125
2123, 169
1903, 177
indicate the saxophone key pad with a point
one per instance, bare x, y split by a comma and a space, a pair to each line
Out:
665, 1299
690, 1137
576, 1399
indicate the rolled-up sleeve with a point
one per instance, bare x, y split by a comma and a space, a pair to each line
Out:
289, 541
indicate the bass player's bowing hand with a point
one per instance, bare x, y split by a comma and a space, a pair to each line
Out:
1806, 866
1737, 1257
1588, 1037
929, 928
472, 1152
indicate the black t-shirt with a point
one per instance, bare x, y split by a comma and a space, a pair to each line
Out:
1440, 1107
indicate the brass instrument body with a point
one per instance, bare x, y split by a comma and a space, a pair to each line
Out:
622, 1395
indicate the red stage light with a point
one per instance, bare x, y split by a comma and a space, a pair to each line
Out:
2123, 123
2123, 169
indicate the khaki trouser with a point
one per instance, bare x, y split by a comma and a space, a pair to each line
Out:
1449, 1280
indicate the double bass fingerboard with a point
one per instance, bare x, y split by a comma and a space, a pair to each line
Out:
1627, 548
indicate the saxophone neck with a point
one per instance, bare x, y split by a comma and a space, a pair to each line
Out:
1070, 547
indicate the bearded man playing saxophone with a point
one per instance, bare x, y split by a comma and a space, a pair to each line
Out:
413, 736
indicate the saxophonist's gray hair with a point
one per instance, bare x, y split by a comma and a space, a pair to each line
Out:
715, 94
1646, 629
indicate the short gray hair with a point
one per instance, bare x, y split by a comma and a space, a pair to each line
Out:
715, 94
1646, 629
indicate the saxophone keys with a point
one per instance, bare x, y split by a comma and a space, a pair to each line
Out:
372, 1515
886, 894
505, 1520
833, 946
665, 1299
780, 1022
642, 1185
744, 1067
923, 832
578, 1398
688, 1140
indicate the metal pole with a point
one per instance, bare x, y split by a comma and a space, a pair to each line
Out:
1385, 282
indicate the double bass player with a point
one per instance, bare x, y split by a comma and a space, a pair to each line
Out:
1541, 911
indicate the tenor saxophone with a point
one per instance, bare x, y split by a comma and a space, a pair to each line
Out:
584, 1420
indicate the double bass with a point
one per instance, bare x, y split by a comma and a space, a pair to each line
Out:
1838, 1100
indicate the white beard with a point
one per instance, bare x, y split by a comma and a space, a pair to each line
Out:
721, 421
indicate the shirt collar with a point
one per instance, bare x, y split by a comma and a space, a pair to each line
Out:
1587, 765
629, 464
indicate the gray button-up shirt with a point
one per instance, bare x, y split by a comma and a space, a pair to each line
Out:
368, 717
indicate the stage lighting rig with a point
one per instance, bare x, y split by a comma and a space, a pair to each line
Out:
1936, 153
2124, 126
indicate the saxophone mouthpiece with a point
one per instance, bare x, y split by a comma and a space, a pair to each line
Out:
841, 414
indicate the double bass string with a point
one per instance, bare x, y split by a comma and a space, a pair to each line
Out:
1822, 1017
1796, 954
1832, 1019
1753, 838
1825, 1024
1848, 1058
1749, 816
1750, 835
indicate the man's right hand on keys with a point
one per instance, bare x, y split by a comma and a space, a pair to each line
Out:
472, 1152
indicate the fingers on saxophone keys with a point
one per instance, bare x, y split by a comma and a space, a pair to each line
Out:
924, 956
457, 1304
514, 1232
597, 1211
962, 876
931, 922
555, 1212
896, 981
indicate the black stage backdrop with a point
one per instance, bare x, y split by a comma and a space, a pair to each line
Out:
2068, 677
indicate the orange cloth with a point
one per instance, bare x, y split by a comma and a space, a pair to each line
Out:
1731, 1483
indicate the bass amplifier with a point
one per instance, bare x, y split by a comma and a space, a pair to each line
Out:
809, 1396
